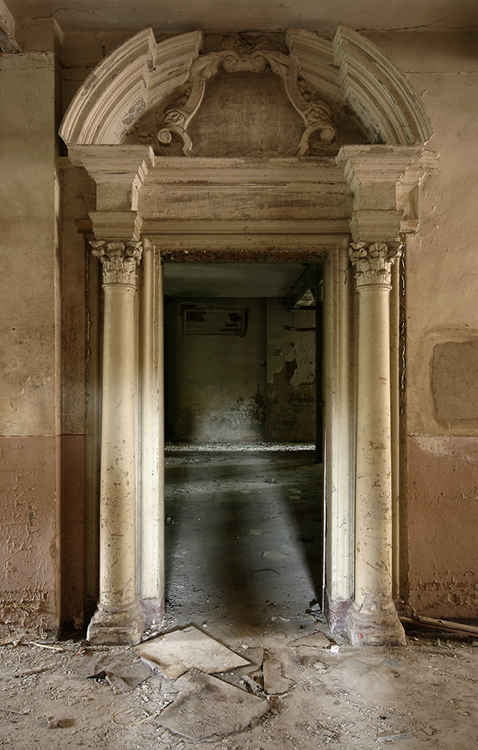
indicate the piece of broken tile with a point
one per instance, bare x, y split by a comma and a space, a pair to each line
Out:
274, 682
274, 555
314, 640
180, 650
208, 707
263, 574
392, 736
255, 656
124, 671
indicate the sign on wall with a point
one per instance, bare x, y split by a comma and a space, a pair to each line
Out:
212, 320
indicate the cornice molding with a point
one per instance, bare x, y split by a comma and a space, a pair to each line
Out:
378, 92
382, 179
119, 173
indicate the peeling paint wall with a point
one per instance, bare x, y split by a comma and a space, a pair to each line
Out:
442, 330
29, 539
233, 389
43, 336
30, 390
443, 510
291, 382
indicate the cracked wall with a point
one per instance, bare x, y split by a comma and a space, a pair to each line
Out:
290, 373
29, 404
442, 287
442, 330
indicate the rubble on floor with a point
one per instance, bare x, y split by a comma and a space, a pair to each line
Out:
290, 693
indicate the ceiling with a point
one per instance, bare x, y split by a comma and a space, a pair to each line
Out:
231, 279
174, 16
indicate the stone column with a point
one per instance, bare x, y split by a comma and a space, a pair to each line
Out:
339, 459
151, 465
373, 619
118, 618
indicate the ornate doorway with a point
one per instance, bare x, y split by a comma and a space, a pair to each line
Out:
255, 148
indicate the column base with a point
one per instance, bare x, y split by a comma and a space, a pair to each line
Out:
336, 611
377, 627
153, 611
120, 628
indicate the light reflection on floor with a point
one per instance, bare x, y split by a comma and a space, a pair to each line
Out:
243, 536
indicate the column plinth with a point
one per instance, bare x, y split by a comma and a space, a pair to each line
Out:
120, 628
373, 619
118, 619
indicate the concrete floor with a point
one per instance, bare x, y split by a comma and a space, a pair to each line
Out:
243, 564
243, 538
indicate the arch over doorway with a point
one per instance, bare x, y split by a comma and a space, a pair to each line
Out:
349, 204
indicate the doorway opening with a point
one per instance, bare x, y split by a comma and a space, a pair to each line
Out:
243, 489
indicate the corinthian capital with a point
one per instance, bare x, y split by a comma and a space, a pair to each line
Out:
373, 263
119, 260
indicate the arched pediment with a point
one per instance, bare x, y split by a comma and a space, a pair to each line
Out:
349, 73
131, 79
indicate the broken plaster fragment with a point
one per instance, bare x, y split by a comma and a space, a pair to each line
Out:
207, 707
392, 736
183, 649
274, 555
274, 682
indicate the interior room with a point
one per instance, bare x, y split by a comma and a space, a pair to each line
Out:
241, 458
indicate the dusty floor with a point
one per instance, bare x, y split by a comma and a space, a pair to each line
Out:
243, 535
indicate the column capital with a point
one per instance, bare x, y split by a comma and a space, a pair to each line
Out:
373, 262
120, 261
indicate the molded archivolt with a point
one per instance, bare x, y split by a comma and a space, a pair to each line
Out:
350, 71
135, 76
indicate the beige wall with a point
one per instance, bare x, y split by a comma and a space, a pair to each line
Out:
44, 334
442, 330
30, 397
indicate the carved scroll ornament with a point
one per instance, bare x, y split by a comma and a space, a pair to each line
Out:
120, 261
316, 114
373, 262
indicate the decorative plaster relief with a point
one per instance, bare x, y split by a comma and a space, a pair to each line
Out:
316, 114
119, 260
373, 263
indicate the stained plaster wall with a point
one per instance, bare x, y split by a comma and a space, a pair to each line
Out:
30, 422
215, 385
231, 389
290, 373
442, 330
42, 403
442, 280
